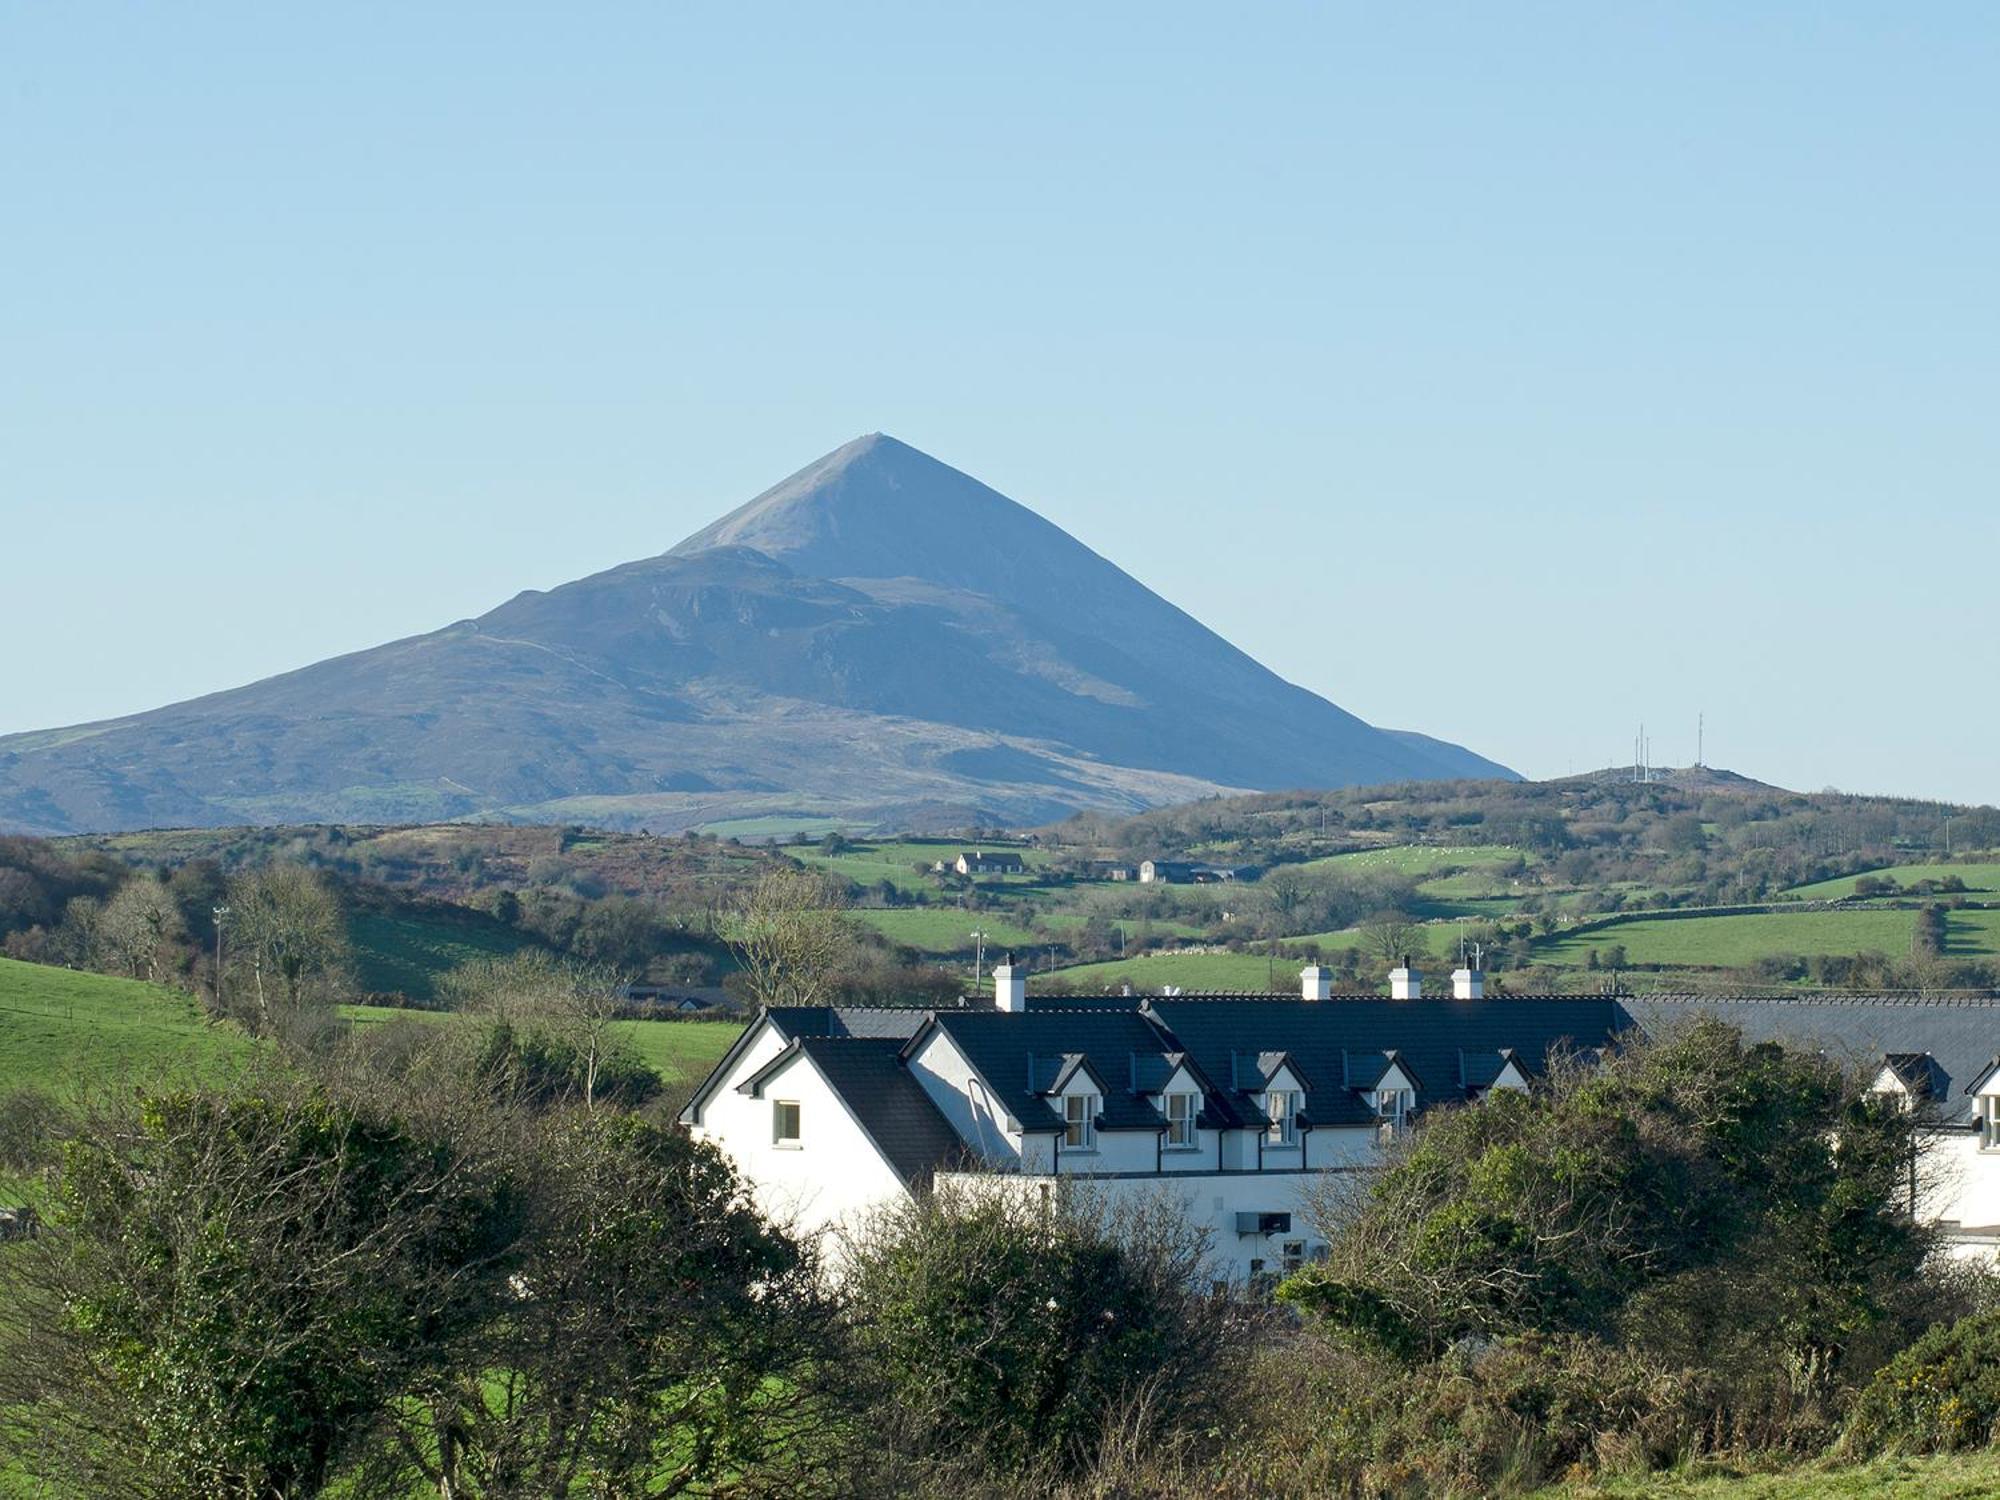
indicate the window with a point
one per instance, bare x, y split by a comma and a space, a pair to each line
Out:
1080, 1122
1392, 1109
1283, 1108
1181, 1109
1294, 1255
1989, 1122
785, 1122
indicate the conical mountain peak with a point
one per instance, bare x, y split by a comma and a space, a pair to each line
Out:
879, 636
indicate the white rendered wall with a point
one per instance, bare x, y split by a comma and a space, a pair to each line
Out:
832, 1180
979, 1119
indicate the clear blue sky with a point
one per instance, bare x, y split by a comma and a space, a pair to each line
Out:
1515, 373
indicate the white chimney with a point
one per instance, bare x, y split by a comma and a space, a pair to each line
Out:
1405, 983
1316, 983
1010, 987
1468, 984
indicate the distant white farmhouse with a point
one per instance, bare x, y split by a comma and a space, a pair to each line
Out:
1238, 1106
977, 862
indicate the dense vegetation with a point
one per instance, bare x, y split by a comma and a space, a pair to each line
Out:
394, 1261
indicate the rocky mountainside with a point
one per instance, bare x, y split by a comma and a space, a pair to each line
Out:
879, 637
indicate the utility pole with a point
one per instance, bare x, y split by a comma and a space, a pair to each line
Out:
978, 955
219, 913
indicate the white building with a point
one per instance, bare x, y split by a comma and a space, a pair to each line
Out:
1239, 1106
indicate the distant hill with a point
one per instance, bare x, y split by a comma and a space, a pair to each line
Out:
879, 638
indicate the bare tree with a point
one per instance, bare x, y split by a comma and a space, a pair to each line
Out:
791, 938
1392, 935
142, 927
287, 921
534, 991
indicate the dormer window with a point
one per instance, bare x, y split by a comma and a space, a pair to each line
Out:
1080, 1122
1282, 1106
1392, 1109
1181, 1110
1989, 1122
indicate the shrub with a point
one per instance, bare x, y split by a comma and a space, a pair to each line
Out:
1011, 1334
1940, 1394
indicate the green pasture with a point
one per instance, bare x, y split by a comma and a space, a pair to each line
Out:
1193, 972
1731, 941
1981, 880
681, 1052
405, 952
59, 1027
897, 861
946, 929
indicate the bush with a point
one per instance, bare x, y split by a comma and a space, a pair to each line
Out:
1940, 1394
31, 1125
1010, 1336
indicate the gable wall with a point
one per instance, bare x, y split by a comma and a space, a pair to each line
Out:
831, 1180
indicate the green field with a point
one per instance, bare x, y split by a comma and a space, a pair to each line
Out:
1727, 942
681, 1052
405, 952
897, 861
1192, 972
946, 929
1980, 880
58, 1026
1423, 861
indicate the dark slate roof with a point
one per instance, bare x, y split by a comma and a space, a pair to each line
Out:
869, 1076
1479, 1070
1919, 1074
898, 1021
1011, 1052
1960, 1034
1425, 1035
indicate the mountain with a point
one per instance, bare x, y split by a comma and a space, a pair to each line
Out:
879, 638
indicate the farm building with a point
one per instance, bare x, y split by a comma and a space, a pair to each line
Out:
1239, 1106
1186, 872
980, 862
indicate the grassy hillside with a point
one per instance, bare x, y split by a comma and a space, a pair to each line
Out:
946, 929
1729, 941
404, 951
681, 1052
58, 1026
1981, 880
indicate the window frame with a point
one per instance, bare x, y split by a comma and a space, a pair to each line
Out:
1282, 1105
1183, 1134
1080, 1122
1989, 1122
779, 1139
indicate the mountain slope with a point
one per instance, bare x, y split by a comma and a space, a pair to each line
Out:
878, 637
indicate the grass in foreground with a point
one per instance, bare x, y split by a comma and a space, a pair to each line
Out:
1956, 1476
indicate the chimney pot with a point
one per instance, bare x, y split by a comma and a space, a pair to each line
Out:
1316, 983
